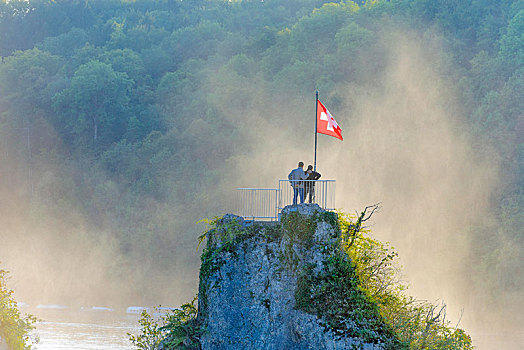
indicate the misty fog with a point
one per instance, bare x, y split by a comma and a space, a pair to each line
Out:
406, 145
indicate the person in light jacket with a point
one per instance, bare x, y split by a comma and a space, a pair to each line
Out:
294, 178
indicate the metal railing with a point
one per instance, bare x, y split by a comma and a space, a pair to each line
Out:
321, 192
266, 203
257, 203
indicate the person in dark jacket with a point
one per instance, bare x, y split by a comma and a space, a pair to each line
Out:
309, 187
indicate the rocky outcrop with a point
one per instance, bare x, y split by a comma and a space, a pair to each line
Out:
251, 277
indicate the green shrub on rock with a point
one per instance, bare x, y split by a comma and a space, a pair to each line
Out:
419, 324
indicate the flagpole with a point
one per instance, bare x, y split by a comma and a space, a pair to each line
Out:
316, 125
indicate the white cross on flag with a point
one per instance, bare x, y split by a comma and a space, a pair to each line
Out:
326, 124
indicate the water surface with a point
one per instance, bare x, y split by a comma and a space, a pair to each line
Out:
84, 329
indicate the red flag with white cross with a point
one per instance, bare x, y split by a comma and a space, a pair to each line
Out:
326, 124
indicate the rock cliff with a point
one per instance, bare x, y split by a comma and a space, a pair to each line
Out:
284, 285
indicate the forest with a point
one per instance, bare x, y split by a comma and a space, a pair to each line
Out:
123, 123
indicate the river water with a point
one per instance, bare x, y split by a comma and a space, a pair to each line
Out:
89, 329
84, 329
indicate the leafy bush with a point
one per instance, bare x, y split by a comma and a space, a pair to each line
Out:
177, 329
14, 328
183, 330
419, 324
151, 332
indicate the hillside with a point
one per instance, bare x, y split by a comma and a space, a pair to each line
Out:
122, 123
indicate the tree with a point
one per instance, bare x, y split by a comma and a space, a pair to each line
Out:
96, 102
512, 43
65, 44
182, 43
26, 75
126, 61
26, 79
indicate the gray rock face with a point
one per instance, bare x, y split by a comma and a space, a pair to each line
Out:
250, 296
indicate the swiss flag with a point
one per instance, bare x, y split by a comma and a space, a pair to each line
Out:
326, 124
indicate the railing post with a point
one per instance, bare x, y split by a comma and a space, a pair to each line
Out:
325, 194
276, 204
253, 203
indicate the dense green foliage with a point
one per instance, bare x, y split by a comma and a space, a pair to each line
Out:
14, 327
127, 117
335, 297
183, 330
176, 329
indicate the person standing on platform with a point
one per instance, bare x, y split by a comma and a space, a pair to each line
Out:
309, 187
294, 178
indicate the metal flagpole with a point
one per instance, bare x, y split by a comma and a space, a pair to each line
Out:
316, 125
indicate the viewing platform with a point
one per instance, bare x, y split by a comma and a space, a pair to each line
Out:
265, 204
